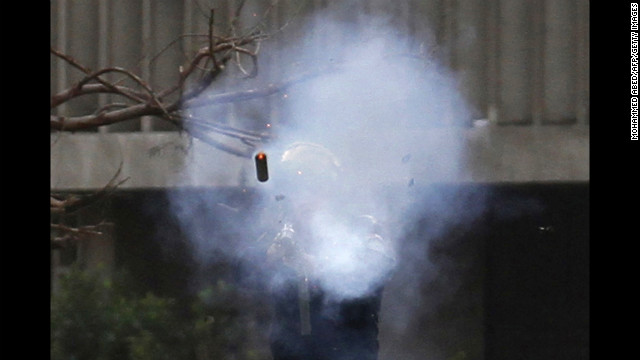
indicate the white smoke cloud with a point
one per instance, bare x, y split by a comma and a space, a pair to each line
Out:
382, 110
377, 110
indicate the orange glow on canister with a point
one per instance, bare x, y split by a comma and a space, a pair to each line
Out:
262, 170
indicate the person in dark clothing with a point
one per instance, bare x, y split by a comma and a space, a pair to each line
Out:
314, 321
327, 268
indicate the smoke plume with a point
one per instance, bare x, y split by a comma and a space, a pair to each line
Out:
381, 106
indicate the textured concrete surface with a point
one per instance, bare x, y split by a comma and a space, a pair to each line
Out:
487, 154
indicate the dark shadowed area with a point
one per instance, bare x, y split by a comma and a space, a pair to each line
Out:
512, 279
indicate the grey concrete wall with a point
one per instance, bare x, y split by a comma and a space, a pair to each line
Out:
491, 154
523, 62
518, 63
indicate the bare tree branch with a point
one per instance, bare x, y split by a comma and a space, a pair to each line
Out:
134, 97
70, 204
65, 234
75, 123
75, 90
137, 98
147, 103
68, 234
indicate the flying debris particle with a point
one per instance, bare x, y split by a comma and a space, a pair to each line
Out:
545, 229
406, 158
480, 123
227, 207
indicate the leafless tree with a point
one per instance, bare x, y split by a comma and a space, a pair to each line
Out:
217, 53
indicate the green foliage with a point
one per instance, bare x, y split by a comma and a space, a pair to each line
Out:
93, 317
226, 327
460, 355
